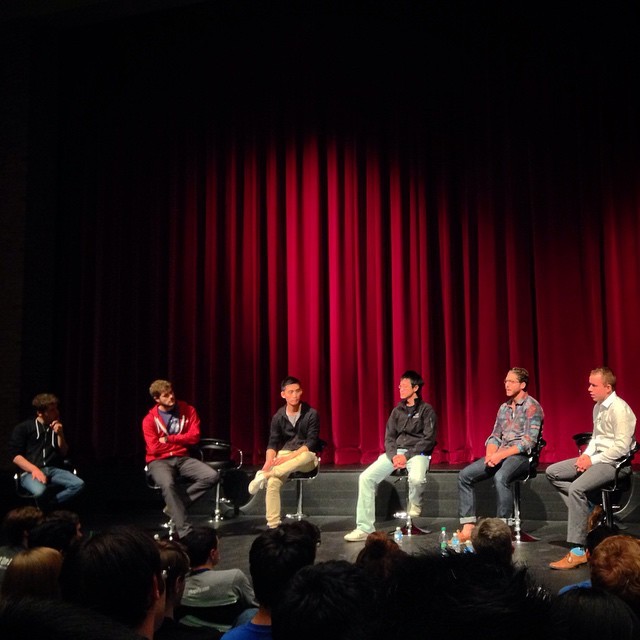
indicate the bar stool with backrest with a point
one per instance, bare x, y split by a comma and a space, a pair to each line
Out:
611, 494
222, 456
532, 472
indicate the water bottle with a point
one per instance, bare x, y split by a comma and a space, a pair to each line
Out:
397, 535
468, 547
455, 542
443, 541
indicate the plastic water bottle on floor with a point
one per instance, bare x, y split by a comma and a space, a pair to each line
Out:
397, 535
455, 543
468, 547
443, 541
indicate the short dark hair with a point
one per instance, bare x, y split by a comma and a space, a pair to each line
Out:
414, 378
522, 375
274, 558
112, 573
333, 599
57, 533
287, 381
593, 613
491, 538
43, 401
18, 521
379, 555
199, 542
597, 535
56, 620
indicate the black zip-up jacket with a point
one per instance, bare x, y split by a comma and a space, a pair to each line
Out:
416, 434
36, 442
284, 435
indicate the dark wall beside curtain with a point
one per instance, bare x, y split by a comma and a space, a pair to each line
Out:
246, 193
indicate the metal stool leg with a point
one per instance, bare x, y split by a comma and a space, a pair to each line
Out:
298, 515
409, 529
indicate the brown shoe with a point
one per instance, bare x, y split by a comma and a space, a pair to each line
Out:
570, 561
596, 517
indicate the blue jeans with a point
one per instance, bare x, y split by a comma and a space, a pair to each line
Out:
510, 469
375, 473
66, 484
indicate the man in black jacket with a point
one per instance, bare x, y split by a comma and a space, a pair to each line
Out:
293, 443
38, 447
409, 439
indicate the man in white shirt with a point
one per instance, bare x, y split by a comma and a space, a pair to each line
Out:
614, 425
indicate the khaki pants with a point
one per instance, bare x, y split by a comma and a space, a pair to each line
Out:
305, 461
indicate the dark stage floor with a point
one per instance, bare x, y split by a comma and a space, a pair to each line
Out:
237, 534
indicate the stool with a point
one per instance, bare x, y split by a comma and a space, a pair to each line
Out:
408, 529
621, 483
300, 477
21, 492
222, 456
532, 472
170, 525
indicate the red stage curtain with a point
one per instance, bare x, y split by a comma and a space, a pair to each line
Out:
224, 239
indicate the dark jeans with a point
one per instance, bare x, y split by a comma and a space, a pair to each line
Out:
510, 469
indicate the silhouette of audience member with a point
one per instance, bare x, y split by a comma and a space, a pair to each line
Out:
274, 558
33, 573
58, 530
213, 597
615, 567
491, 539
175, 564
378, 555
462, 593
56, 620
333, 599
17, 525
593, 614
117, 573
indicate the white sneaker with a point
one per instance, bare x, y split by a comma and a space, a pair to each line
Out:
257, 483
414, 510
356, 536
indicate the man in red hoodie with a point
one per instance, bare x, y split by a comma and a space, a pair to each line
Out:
170, 428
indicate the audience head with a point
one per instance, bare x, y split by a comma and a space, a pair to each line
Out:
56, 620
378, 555
202, 546
118, 574
274, 558
175, 563
58, 530
491, 538
304, 528
615, 567
18, 523
33, 573
334, 600
597, 535
459, 593
593, 614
